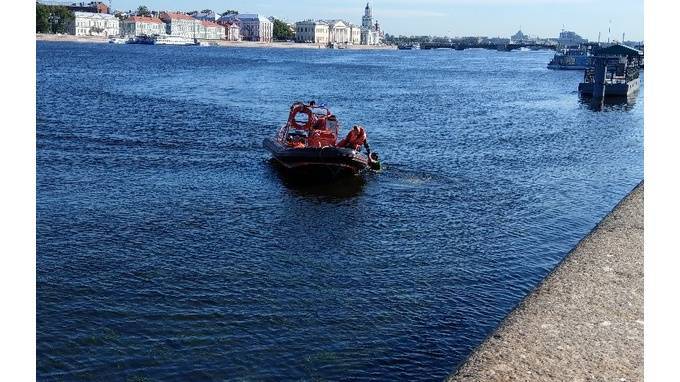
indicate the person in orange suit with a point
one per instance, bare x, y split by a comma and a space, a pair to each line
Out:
354, 139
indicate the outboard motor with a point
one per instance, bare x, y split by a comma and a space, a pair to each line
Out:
374, 161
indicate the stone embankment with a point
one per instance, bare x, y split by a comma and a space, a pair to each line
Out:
222, 43
68, 37
585, 321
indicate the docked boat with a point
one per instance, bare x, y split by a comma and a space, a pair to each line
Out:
308, 144
142, 39
571, 59
415, 46
615, 72
163, 39
117, 40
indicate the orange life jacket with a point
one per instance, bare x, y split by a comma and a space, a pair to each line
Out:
354, 139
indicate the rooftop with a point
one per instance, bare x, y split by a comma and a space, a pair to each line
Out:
207, 23
96, 15
176, 16
247, 16
145, 19
621, 50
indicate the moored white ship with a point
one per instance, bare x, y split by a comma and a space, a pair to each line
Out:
173, 40
117, 40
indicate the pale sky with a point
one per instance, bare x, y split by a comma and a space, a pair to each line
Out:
491, 18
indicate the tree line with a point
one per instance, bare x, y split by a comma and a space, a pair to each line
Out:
52, 19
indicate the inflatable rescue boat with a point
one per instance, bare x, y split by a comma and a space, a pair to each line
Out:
308, 143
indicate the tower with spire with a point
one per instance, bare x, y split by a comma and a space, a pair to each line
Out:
367, 20
370, 31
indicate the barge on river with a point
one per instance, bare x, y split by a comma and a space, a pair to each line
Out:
574, 58
615, 72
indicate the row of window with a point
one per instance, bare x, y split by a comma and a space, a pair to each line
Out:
86, 31
101, 24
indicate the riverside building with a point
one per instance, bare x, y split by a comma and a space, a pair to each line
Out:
141, 26
569, 38
519, 38
94, 24
179, 24
231, 29
211, 31
370, 32
327, 32
338, 32
91, 7
253, 27
314, 31
233, 32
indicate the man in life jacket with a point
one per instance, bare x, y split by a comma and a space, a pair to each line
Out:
355, 138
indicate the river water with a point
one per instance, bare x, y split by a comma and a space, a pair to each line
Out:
169, 247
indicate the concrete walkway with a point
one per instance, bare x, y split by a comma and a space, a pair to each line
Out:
585, 321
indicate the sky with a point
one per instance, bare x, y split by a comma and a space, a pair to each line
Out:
491, 18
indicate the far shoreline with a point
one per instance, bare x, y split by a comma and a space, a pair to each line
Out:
218, 43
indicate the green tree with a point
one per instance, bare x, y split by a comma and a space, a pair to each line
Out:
42, 18
59, 19
282, 31
142, 10
230, 12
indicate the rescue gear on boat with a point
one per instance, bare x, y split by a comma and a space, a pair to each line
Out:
313, 147
355, 138
304, 109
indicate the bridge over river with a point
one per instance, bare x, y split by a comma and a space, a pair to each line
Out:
503, 47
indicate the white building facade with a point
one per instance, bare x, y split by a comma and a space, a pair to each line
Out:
327, 32
311, 31
355, 34
233, 32
338, 32
94, 24
519, 38
370, 33
253, 27
211, 31
179, 24
141, 26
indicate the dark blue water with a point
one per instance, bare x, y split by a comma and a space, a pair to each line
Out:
169, 248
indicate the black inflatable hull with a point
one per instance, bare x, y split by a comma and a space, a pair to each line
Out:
326, 161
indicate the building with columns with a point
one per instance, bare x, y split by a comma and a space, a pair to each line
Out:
354, 34
338, 32
327, 32
370, 32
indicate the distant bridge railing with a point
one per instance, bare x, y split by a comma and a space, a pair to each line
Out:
502, 47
